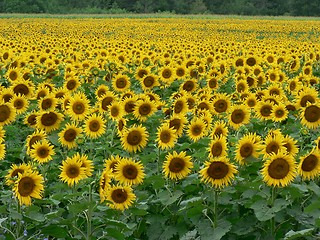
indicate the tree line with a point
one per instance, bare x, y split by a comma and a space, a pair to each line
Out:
238, 7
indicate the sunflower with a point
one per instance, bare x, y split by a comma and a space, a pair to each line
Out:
291, 145
71, 82
111, 163
180, 72
143, 109
177, 165
218, 147
309, 165
6, 95
189, 85
23, 87
2, 134
141, 73
167, 75
196, 129
219, 172
105, 101
121, 83
41, 92
213, 83
305, 96
166, 137
2, 151
86, 163
241, 86
20, 103
28, 185
219, 129
180, 105
48, 103
134, 138
13, 172
115, 110
273, 144
37, 135
263, 110
13, 74
247, 147
121, 126
148, 82
279, 112
49, 121
78, 107
7, 113
178, 122
104, 183
221, 102
69, 134
42, 151
129, 172
239, 115
94, 126
120, 197
279, 170
129, 104
72, 171
310, 115
30, 119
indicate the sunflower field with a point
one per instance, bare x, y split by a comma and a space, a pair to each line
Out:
159, 128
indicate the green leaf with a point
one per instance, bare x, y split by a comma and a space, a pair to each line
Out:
34, 213
190, 235
2, 220
167, 199
116, 234
262, 211
55, 231
168, 232
312, 207
156, 181
295, 235
207, 232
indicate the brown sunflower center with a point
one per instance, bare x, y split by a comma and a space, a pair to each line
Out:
166, 73
196, 130
120, 125
165, 136
246, 150
218, 170
71, 84
22, 89
188, 86
94, 125
18, 104
119, 196
220, 106
142, 73
306, 99
175, 123
144, 109
114, 111
5, 113
279, 113
41, 94
312, 113
73, 171
49, 119
309, 163
178, 106
121, 82
106, 102
13, 75
16, 172
70, 135
129, 106
251, 61
272, 147
134, 138
148, 81
278, 168
176, 165
265, 110
26, 186
130, 172
46, 103
216, 149
7, 97
241, 87
213, 83
237, 116
180, 72
43, 152
78, 108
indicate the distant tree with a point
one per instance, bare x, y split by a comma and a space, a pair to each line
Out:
145, 6
198, 6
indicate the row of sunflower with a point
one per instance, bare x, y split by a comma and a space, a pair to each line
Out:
241, 104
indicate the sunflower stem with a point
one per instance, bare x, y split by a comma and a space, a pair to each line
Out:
215, 208
272, 220
89, 214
